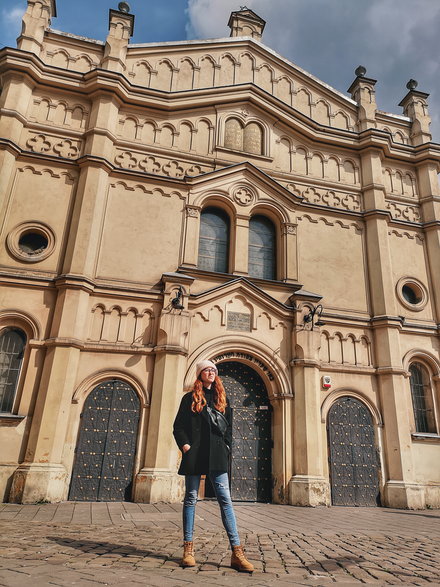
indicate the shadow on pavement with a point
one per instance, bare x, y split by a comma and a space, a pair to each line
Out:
104, 548
412, 513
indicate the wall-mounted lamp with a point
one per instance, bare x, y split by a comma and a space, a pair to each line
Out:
310, 317
176, 302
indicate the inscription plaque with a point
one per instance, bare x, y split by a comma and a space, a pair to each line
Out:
238, 321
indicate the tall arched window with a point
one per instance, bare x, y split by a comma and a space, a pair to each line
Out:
422, 399
214, 240
262, 248
12, 343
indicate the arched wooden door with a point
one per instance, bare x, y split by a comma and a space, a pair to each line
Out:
104, 456
354, 462
251, 461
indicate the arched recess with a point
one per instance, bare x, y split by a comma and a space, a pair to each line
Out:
214, 240
110, 409
423, 372
346, 391
29, 330
353, 442
273, 372
262, 247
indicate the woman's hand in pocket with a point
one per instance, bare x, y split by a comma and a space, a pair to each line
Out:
185, 448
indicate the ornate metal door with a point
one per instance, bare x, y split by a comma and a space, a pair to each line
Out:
103, 469
251, 462
354, 468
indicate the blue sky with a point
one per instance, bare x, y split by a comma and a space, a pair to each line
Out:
394, 39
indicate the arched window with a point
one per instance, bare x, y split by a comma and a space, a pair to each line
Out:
12, 343
262, 248
253, 139
248, 138
422, 399
234, 134
214, 240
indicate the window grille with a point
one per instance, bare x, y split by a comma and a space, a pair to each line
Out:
262, 248
214, 240
422, 399
12, 344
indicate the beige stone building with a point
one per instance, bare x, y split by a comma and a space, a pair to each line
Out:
163, 203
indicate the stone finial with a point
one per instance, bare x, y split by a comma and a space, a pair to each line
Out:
121, 27
36, 20
415, 106
362, 91
246, 23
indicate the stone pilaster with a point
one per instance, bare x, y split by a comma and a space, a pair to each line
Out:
362, 91
245, 23
415, 106
36, 21
42, 475
399, 468
290, 253
157, 480
192, 231
121, 26
241, 246
15, 98
429, 192
308, 486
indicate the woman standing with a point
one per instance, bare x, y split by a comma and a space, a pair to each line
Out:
203, 432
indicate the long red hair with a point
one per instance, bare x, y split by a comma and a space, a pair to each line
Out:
199, 400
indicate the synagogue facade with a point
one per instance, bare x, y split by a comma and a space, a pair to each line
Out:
165, 203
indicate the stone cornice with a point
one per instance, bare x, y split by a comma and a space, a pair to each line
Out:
99, 80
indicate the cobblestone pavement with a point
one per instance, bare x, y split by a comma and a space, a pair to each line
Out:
138, 544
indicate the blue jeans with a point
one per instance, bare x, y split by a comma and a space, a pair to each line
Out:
220, 483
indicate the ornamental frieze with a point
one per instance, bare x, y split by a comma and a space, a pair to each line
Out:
158, 165
53, 145
330, 198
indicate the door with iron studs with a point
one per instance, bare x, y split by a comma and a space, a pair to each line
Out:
104, 456
353, 458
251, 460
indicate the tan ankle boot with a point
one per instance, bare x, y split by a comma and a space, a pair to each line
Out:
188, 559
239, 561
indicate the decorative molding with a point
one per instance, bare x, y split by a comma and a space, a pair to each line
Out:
330, 198
244, 195
331, 222
53, 145
158, 165
404, 233
192, 212
411, 213
289, 228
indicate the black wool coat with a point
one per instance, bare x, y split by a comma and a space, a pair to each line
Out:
196, 430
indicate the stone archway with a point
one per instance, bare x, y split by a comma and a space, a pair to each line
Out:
353, 458
251, 458
106, 447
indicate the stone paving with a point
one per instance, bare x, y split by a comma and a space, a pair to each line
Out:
139, 544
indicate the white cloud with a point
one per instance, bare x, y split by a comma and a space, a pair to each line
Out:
394, 39
13, 16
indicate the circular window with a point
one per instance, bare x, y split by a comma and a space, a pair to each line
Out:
31, 242
412, 293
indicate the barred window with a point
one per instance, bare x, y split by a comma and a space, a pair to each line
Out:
422, 399
214, 240
262, 248
12, 345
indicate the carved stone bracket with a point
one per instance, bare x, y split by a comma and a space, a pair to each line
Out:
192, 212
